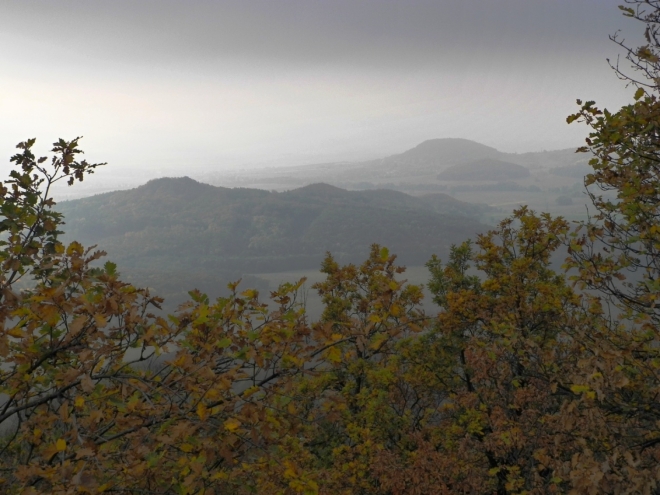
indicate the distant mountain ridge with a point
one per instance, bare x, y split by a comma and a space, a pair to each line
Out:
450, 151
446, 151
180, 225
419, 165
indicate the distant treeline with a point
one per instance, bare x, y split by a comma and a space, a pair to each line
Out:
498, 186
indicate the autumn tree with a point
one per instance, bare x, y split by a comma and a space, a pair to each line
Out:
360, 402
536, 382
104, 393
615, 255
99, 393
487, 397
496, 362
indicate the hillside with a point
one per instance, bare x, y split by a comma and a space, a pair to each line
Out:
209, 234
486, 169
466, 170
434, 155
575, 171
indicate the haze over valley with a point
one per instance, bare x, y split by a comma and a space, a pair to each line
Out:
172, 234
463, 168
441, 99
176, 233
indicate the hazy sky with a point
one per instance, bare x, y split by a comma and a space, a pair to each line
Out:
186, 85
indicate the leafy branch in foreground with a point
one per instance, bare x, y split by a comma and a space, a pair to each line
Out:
100, 394
28, 221
520, 384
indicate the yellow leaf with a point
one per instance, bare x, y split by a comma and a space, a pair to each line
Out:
79, 402
250, 293
180, 360
290, 471
100, 320
60, 445
15, 332
334, 354
232, 424
578, 389
251, 391
186, 447
202, 411
74, 247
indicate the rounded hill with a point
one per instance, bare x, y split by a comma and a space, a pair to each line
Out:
448, 150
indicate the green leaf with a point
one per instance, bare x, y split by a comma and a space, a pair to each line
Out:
110, 268
384, 253
627, 11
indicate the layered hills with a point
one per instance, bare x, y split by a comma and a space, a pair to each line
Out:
539, 179
416, 170
467, 170
177, 233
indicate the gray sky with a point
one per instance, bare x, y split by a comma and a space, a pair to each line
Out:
189, 85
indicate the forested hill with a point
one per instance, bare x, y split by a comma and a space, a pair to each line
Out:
179, 225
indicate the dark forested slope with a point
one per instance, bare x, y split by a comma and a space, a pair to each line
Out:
178, 225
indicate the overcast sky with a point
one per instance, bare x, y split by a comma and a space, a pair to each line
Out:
188, 85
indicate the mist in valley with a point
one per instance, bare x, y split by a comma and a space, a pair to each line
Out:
459, 107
